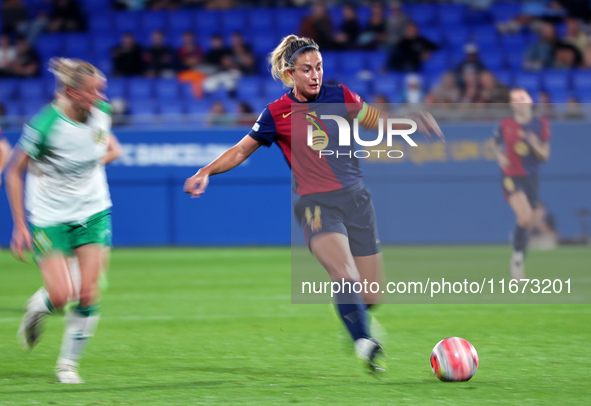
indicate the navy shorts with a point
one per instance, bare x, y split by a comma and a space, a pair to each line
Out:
527, 184
348, 211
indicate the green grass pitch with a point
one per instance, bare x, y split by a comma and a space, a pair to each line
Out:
216, 326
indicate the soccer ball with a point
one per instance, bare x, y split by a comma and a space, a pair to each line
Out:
454, 360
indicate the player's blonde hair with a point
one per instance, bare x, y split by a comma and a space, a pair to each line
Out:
282, 57
71, 73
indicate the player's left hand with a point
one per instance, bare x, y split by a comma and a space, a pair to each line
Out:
427, 125
196, 184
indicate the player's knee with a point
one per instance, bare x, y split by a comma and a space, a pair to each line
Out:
525, 220
87, 296
58, 300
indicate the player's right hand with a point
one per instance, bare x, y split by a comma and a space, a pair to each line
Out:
503, 161
196, 184
21, 240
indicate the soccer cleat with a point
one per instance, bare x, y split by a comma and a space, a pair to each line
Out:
67, 374
516, 267
371, 352
29, 330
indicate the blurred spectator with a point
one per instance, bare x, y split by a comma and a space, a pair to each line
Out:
27, 60
413, 89
226, 77
242, 54
349, 31
66, 16
532, 12
411, 51
586, 63
189, 54
396, 24
374, 34
127, 57
7, 56
566, 56
540, 54
573, 109
164, 4
469, 87
4, 120
33, 27
217, 51
491, 91
14, 13
470, 63
446, 91
574, 36
318, 26
131, 5
159, 59
220, 4
545, 106
246, 114
218, 116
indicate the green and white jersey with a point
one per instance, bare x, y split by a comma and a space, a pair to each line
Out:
66, 181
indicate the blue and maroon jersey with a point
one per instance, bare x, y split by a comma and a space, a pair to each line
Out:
286, 121
510, 136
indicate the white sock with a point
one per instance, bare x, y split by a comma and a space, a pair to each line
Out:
79, 329
39, 302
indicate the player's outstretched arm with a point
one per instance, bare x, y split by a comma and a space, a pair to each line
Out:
540, 148
21, 238
231, 158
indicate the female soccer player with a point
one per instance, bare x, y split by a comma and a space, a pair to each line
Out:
521, 144
335, 208
67, 206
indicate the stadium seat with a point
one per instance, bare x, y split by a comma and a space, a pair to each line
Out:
208, 23
141, 89
389, 85
249, 87
451, 15
260, 20
353, 62
434, 34
361, 87
559, 96
289, 21
457, 37
102, 44
582, 82
438, 62
30, 109
49, 45
514, 61
493, 59
143, 112
504, 10
233, 20
263, 44
505, 77
363, 15
101, 23
197, 112
486, 37
422, 14
167, 90
181, 21
33, 90
117, 89
273, 90
172, 112
376, 60
8, 90
78, 46
556, 81
93, 6
151, 21
529, 81
127, 22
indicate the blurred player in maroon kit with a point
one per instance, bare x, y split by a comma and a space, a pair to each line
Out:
521, 144
335, 208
